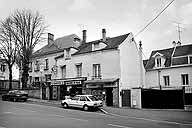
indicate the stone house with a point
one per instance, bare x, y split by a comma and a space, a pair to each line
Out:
108, 68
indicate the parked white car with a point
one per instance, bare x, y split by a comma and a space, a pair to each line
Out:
82, 101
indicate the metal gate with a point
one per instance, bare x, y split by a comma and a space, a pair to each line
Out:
126, 98
162, 99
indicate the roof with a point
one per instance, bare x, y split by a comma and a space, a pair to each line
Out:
58, 45
182, 50
167, 53
145, 62
111, 43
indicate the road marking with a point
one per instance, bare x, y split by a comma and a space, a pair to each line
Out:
152, 120
119, 126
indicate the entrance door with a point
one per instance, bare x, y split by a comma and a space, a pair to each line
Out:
126, 98
63, 92
43, 93
109, 97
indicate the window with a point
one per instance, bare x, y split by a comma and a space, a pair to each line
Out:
47, 77
37, 66
36, 79
63, 71
79, 69
83, 98
158, 62
96, 46
67, 54
2, 68
30, 79
166, 80
96, 71
185, 79
46, 64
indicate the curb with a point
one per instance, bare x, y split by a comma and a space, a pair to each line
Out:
103, 111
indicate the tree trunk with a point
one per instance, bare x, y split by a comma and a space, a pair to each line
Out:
25, 76
10, 77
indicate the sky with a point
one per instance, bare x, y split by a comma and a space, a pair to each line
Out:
118, 17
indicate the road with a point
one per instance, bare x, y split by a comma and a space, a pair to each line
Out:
27, 115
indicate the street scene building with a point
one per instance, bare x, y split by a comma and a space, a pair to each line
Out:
107, 68
168, 76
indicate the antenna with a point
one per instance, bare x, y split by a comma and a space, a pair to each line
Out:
179, 29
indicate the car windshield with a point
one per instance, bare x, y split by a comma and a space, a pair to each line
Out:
93, 98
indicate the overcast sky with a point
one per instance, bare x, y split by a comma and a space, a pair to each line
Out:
65, 17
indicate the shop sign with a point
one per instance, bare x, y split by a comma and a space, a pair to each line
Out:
72, 82
57, 83
188, 89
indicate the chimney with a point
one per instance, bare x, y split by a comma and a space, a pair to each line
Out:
178, 43
84, 36
50, 38
174, 44
104, 35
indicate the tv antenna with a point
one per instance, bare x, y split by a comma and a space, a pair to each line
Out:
179, 29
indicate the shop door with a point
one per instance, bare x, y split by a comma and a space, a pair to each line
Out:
43, 93
126, 98
109, 97
63, 92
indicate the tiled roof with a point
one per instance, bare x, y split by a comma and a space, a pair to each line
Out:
182, 50
111, 43
167, 54
58, 45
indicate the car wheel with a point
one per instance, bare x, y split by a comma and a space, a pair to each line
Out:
14, 99
85, 108
65, 105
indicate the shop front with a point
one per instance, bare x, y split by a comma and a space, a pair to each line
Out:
106, 90
65, 87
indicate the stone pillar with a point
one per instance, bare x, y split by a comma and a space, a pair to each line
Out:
41, 95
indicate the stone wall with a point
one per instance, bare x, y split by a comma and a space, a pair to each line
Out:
115, 97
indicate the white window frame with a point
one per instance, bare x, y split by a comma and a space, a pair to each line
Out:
79, 69
166, 80
96, 70
63, 71
184, 79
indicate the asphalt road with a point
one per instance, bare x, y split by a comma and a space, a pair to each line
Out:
27, 115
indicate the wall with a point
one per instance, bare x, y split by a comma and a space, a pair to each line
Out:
33, 93
109, 60
174, 76
51, 63
130, 65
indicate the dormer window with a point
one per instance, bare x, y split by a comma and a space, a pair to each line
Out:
67, 54
98, 46
158, 62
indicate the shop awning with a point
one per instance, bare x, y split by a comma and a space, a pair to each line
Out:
98, 83
101, 81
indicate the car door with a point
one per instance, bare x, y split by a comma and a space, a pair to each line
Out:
82, 101
74, 101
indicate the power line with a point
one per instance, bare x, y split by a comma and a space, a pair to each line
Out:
154, 18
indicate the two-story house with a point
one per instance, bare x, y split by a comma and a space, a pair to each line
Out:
43, 66
168, 71
107, 68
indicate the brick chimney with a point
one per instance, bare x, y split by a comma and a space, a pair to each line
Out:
84, 36
104, 34
50, 38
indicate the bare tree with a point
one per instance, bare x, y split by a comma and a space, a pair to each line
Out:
27, 28
8, 47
